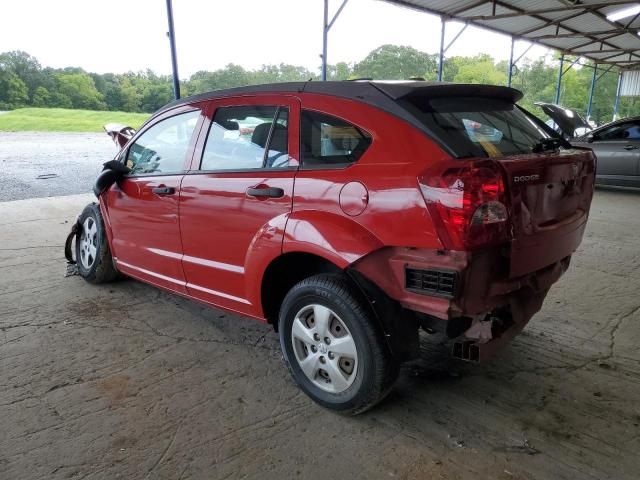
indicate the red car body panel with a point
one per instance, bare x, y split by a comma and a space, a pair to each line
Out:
144, 230
213, 242
229, 237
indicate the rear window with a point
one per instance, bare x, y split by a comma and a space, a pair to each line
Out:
477, 127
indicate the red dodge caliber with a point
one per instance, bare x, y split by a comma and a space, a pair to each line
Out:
347, 215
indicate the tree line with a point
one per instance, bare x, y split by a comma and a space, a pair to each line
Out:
25, 83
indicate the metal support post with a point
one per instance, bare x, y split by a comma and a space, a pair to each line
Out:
617, 100
174, 60
559, 82
441, 57
591, 90
509, 73
325, 33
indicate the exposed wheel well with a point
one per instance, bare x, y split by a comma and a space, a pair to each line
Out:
283, 273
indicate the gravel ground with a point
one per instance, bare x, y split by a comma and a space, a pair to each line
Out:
126, 381
68, 162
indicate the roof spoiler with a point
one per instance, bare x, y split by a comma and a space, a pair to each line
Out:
398, 90
120, 134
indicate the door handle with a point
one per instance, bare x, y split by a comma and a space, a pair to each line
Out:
163, 190
273, 192
631, 147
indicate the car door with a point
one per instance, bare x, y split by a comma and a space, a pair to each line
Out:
235, 201
143, 206
617, 149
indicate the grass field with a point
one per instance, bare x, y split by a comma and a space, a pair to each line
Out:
65, 120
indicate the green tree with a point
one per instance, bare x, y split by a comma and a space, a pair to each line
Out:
41, 97
13, 91
395, 63
59, 100
339, 71
479, 69
80, 89
26, 67
536, 80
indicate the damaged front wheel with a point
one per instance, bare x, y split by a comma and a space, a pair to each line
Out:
93, 256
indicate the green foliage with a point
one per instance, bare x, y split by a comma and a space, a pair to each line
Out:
478, 69
23, 82
25, 67
64, 120
13, 91
41, 97
80, 89
395, 63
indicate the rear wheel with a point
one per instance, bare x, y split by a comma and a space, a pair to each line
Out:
93, 256
333, 347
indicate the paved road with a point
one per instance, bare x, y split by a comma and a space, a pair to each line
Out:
125, 381
71, 161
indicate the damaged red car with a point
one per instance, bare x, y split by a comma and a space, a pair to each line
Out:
347, 215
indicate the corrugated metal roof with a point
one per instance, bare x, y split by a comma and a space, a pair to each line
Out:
572, 26
630, 83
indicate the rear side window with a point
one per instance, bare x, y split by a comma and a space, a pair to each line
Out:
477, 127
163, 147
327, 141
247, 137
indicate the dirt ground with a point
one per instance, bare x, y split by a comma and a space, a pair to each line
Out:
125, 381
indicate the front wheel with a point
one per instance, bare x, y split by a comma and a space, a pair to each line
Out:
333, 346
93, 256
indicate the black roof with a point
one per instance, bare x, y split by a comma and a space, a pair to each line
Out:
380, 94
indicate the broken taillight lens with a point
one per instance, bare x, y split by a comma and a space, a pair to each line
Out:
468, 204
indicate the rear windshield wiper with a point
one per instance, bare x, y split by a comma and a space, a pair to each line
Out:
549, 144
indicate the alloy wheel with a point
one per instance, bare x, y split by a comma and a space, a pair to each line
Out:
88, 243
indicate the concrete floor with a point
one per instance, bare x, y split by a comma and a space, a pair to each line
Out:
48, 164
125, 381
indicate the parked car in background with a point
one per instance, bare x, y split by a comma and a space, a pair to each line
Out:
354, 213
616, 144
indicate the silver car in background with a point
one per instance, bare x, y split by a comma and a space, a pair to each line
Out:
616, 144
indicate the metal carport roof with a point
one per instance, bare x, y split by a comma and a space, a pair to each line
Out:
573, 27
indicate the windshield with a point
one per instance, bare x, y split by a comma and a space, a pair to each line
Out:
477, 127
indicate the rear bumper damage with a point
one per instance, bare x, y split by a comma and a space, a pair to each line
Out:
482, 305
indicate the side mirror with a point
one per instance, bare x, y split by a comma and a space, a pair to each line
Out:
590, 138
111, 173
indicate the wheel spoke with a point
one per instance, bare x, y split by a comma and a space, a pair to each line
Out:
310, 365
336, 376
319, 353
321, 316
302, 333
92, 251
93, 229
344, 347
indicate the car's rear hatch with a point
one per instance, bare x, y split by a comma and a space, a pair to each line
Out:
550, 195
510, 181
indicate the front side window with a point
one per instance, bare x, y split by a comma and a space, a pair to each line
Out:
163, 147
477, 126
247, 137
327, 141
626, 131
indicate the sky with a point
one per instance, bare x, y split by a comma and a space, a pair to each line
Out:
130, 35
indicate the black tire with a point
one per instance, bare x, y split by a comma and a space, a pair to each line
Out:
376, 369
99, 269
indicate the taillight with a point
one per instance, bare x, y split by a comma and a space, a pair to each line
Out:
468, 204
